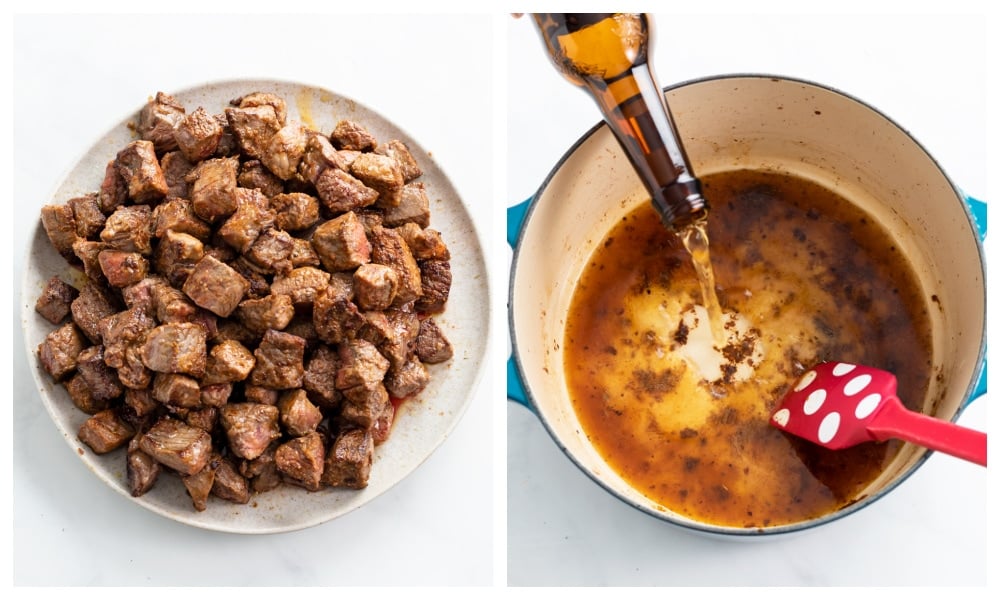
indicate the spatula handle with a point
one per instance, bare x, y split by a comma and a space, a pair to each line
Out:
894, 420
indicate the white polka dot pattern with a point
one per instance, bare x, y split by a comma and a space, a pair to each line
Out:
867, 405
843, 369
805, 380
828, 428
857, 384
781, 417
814, 401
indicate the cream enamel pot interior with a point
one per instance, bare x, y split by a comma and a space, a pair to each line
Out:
752, 122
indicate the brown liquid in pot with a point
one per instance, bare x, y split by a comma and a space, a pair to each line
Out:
815, 280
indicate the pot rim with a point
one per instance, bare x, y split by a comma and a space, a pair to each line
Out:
708, 527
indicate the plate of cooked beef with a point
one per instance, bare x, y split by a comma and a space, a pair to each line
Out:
253, 306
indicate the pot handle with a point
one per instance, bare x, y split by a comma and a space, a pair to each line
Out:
515, 386
977, 208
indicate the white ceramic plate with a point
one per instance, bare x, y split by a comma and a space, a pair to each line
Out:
422, 423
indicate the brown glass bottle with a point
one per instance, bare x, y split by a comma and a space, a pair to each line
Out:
607, 54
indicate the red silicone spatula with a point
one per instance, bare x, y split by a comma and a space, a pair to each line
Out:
838, 405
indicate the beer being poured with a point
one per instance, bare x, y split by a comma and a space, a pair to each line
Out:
607, 54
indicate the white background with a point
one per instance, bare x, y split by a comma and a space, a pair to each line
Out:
929, 75
75, 77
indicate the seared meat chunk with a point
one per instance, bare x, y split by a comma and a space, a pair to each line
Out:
404, 326
105, 431
407, 380
228, 361
319, 156
176, 256
121, 268
382, 174
364, 403
254, 175
272, 251
250, 427
413, 207
424, 243
435, 279
140, 401
93, 304
55, 300
176, 348
139, 168
295, 211
340, 191
375, 286
341, 243
175, 171
320, 378
129, 229
335, 318
301, 285
157, 121
303, 254
255, 99
213, 186
301, 459
284, 150
229, 484
203, 418
79, 394
216, 395
176, 390
177, 214
397, 150
253, 215
197, 135
87, 215
389, 249
142, 470
383, 424
60, 226
262, 471
199, 485
349, 461
299, 416
432, 346
360, 363
256, 279
102, 381
253, 127
169, 303
177, 445
274, 311
260, 394
114, 190
87, 252
215, 286
348, 135
279, 361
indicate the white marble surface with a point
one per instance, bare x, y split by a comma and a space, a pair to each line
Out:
929, 74
74, 77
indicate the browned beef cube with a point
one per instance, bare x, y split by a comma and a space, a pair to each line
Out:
213, 186
413, 207
93, 304
335, 318
229, 484
232, 330
407, 164
404, 327
284, 150
177, 214
295, 211
253, 175
253, 215
364, 403
376, 329
349, 461
341, 243
87, 252
175, 171
271, 251
228, 361
79, 393
341, 192
424, 243
138, 166
319, 156
301, 285
122, 269
299, 416
432, 346
435, 278
197, 135
262, 472
55, 300
360, 363
375, 286
303, 254
274, 311
259, 285
260, 394
407, 380
101, 379
133, 372
199, 485
216, 395
227, 143
129, 228
114, 190
320, 378
383, 424
170, 304
141, 469
177, 445
60, 226
176, 255
140, 401
279, 361
250, 427
389, 249
87, 215
301, 460
105, 432
256, 99
158, 119
382, 174
253, 127
203, 418
177, 390
176, 348
348, 135
215, 286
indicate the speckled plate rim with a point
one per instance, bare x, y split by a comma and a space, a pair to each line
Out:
422, 423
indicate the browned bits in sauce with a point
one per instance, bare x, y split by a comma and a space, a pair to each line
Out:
818, 281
